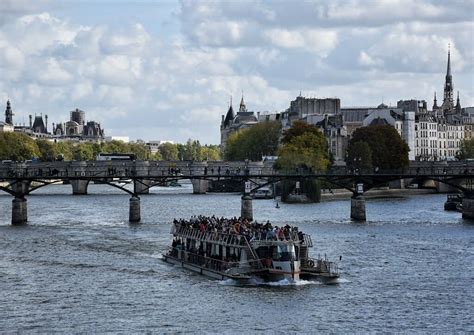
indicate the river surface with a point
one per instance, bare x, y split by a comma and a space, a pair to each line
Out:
79, 266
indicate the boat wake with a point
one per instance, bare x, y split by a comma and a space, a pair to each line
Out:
258, 282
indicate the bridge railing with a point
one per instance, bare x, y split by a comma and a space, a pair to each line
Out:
161, 169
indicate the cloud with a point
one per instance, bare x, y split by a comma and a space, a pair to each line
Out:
139, 80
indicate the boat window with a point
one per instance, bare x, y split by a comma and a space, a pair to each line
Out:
284, 253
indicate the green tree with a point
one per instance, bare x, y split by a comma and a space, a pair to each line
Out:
359, 156
466, 150
156, 156
64, 149
17, 147
168, 151
83, 152
254, 142
389, 151
139, 149
211, 153
303, 147
48, 150
299, 128
115, 147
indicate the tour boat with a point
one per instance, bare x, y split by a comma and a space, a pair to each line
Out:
254, 255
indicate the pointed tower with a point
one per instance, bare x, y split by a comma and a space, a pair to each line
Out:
458, 105
229, 117
9, 114
448, 103
242, 107
435, 102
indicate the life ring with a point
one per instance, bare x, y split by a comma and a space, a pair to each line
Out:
310, 263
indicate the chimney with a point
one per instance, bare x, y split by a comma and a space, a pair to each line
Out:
46, 125
31, 120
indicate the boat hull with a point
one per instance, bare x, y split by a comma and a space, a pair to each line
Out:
205, 271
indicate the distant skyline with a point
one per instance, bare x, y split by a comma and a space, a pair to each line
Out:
166, 70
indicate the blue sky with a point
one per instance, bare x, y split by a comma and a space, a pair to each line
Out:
164, 70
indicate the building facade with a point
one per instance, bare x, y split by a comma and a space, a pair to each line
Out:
440, 132
78, 128
233, 122
75, 129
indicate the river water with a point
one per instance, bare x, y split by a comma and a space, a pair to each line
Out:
79, 266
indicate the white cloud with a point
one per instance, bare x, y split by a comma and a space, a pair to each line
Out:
318, 41
138, 81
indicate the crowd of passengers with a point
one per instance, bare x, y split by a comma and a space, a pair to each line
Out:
252, 230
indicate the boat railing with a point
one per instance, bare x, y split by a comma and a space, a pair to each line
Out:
233, 238
320, 265
215, 264
307, 240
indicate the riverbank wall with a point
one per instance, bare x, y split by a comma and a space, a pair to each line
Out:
337, 194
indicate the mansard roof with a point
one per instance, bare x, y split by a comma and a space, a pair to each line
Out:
243, 117
38, 125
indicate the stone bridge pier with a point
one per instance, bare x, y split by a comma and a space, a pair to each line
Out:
200, 186
134, 211
19, 204
79, 186
246, 210
142, 186
358, 204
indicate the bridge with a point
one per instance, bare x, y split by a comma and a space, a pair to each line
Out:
20, 179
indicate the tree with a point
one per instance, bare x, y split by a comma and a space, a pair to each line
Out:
115, 147
139, 149
17, 147
64, 150
168, 151
298, 128
254, 142
359, 156
48, 150
211, 153
83, 152
466, 150
303, 147
389, 150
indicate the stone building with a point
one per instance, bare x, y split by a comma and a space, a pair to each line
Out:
232, 122
78, 128
468, 118
303, 106
439, 132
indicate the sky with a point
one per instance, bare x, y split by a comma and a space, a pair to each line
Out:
165, 70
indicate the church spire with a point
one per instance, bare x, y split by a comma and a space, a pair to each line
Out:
448, 103
242, 108
435, 102
458, 105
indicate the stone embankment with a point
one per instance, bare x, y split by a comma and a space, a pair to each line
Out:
328, 195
